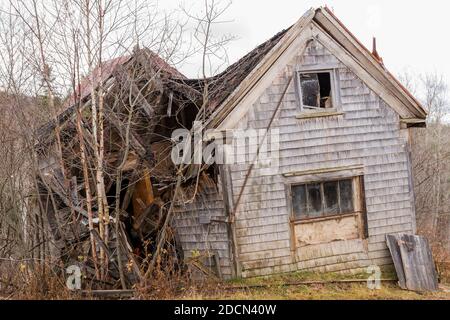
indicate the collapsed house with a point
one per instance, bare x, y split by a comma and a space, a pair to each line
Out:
338, 182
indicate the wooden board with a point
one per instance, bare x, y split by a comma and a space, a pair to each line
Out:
394, 248
143, 195
413, 262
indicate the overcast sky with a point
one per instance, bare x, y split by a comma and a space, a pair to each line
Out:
410, 34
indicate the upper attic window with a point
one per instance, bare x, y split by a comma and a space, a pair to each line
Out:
316, 90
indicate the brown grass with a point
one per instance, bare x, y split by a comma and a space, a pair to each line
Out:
33, 283
275, 288
43, 285
388, 291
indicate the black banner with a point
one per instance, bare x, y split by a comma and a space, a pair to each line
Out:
143, 310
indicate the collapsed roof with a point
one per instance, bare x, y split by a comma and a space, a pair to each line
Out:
226, 84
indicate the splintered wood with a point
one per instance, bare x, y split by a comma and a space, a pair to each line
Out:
142, 197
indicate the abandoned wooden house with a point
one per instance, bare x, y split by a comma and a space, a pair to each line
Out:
343, 179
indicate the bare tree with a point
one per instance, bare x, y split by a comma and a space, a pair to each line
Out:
431, 154
106, 93
53, 45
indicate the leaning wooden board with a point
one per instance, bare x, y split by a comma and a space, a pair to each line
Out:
394, 248
413, 262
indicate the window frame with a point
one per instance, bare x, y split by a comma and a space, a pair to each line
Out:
357, 199
334, 84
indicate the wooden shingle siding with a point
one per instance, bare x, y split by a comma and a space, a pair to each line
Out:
206, 238
367, 134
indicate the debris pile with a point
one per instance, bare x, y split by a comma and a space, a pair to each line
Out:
142, 105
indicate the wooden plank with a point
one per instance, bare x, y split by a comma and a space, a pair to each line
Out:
325, 170
227, 191
413, 262
396, 257
408, 147
414, 122
109, 293
418, 264
142, 197
218, 266
323, 114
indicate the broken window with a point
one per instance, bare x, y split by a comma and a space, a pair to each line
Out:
322, 199
330, 192
316, 90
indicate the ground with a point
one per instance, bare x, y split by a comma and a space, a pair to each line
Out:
318, 287
294, 286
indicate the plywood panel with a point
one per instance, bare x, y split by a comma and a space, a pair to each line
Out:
326, 231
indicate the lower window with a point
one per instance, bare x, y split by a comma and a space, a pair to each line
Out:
322, 199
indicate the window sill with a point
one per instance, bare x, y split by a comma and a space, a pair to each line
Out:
319, 114
327, 218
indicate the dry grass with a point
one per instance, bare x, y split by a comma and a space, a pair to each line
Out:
24, 283
263, 288
388, 291
275, 288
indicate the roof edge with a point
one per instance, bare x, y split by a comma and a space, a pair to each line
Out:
389, 76
260, 69
315, 15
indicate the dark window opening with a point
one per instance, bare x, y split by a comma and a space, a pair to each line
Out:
346, 196
316, 90
331, 193
315, 205
316, 200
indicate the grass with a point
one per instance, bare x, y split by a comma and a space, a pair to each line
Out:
280, 287
330, 292
386, 272
275, 288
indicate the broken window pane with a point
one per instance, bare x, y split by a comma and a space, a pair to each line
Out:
325, 89
299, 202
310, 90
330, 192
316, 90
314, 200
346, 196
323, 199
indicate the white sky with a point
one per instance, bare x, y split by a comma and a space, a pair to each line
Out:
410, 34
